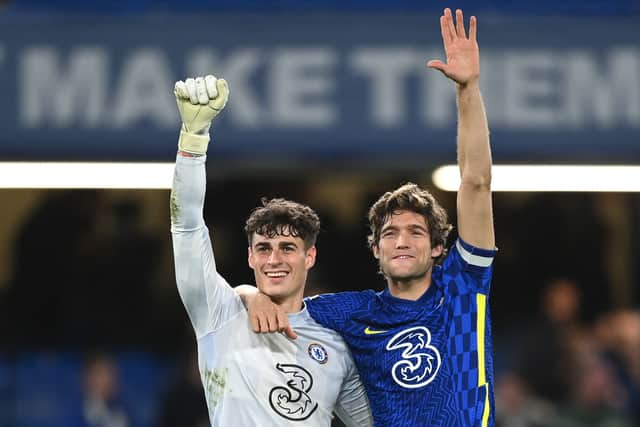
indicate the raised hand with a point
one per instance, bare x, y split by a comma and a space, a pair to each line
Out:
463, 55
199, 100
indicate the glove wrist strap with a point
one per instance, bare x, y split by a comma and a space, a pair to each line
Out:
192, 143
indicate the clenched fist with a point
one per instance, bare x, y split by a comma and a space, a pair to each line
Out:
199, 102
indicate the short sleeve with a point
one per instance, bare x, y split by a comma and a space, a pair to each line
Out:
467, 269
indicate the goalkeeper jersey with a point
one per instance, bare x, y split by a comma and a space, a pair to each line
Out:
426, 362
254, 379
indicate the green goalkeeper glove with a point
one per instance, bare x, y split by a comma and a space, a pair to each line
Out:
199, 102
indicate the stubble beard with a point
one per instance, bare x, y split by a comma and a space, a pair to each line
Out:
410, 276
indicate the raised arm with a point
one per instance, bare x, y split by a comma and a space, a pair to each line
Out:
207, 297
474, 206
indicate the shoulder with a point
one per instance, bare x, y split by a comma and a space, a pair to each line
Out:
334, 310
463, 256
345, 300
466, 268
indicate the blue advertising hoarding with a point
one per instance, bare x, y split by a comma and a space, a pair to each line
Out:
308, 86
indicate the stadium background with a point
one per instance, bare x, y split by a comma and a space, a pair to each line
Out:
89, 272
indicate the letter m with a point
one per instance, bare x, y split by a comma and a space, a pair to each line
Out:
62, 95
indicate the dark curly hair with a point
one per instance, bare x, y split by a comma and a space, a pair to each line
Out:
412, 198
285, 218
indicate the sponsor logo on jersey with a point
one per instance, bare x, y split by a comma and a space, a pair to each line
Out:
318, 353
369, 331
420, 360
291, 400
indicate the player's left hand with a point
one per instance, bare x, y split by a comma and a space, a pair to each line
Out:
268, 317
463, 54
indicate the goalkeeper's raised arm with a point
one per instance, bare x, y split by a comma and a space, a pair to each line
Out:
207, 297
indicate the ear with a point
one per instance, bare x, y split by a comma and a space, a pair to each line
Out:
310, 258
376, 251
250, 257
437, 251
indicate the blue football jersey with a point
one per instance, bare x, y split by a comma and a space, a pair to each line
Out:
426, 362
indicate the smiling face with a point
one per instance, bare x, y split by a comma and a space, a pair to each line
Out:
404, 250
280, 265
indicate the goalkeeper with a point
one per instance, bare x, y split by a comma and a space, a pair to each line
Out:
251, 379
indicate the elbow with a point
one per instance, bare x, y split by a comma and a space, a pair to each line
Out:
477, 181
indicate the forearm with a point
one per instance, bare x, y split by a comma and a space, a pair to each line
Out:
187, 193
474, 205
474, 154
246, 291
353, 407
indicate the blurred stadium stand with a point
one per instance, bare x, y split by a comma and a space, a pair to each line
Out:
45, 389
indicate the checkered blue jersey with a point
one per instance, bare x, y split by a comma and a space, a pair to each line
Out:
426, 362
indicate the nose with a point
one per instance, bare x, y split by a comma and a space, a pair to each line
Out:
402, 242
274, 257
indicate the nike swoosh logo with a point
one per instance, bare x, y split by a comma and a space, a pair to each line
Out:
369, 331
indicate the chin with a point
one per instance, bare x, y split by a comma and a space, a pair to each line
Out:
274, 292
405, 277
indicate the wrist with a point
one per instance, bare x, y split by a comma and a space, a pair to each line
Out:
193, 143
189, 155
471, 84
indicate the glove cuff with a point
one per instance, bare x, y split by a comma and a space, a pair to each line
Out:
192, 143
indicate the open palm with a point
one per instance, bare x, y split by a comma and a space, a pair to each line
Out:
463, 56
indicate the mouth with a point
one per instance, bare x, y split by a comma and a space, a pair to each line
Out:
403, 257
276, 275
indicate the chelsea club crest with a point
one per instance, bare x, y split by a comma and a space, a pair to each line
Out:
318, 353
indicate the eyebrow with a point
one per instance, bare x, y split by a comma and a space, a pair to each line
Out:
410, 227
418, 227
286, 244
261, 245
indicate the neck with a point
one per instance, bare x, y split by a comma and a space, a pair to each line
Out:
411, 289
292, 304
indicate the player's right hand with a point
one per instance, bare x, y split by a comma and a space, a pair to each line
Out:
268, 317
199, 100
463, 55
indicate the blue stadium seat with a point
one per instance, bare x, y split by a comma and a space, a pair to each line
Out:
144, 378
6, 393
46, 384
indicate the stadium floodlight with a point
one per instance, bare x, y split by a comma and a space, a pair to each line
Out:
86, 175
534, 178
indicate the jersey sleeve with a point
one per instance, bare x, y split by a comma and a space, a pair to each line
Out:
353, 406
206, 295
468, 269
333, 310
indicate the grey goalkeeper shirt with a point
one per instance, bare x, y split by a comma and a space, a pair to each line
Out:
254, 379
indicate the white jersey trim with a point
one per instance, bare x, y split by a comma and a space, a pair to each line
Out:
470, 258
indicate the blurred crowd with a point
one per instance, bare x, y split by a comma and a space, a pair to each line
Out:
559, 371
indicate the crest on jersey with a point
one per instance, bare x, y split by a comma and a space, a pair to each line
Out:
318, 353
420, 360
291, 400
